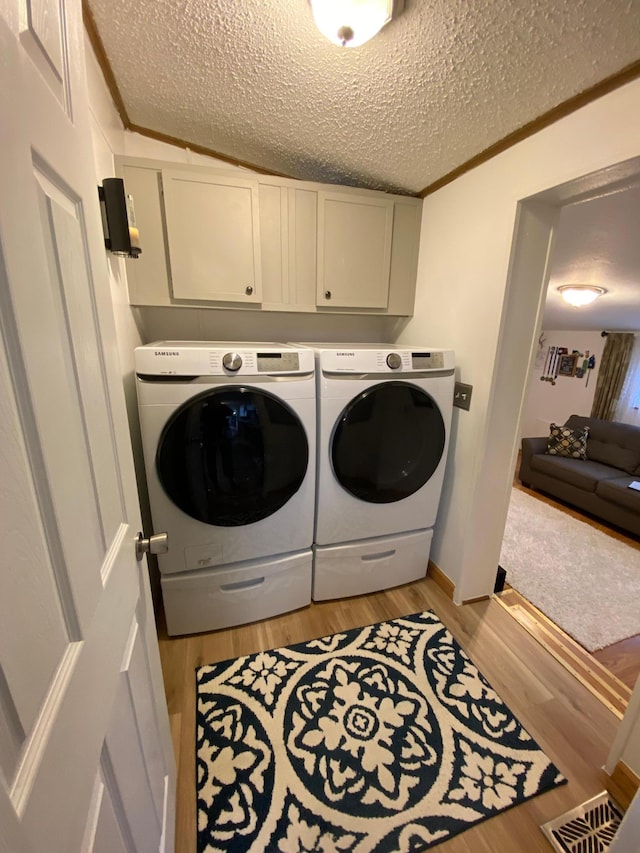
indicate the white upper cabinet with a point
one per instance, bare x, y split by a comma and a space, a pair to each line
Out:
354, 250
213, 236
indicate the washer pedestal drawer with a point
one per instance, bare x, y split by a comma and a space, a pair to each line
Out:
233, 595
355, 568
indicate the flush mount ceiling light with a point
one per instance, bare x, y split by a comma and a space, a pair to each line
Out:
350, 23
579, 295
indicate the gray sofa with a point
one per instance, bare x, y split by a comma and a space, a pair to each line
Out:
597, 484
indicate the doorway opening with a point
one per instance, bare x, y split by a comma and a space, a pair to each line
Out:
537, 246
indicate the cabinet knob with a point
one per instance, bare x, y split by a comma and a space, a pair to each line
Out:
248, 290
327, 294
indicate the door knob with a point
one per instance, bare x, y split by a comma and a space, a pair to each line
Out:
157, 544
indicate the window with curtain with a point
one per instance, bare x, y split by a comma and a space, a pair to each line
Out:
628, 408
614, 367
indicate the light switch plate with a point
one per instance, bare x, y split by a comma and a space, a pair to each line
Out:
462, 395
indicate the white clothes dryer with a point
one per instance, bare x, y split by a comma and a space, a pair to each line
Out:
228, 433
384, 415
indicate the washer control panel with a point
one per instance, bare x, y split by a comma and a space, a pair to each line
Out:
189, 359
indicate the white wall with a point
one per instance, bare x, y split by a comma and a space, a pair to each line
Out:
219, 325
463, 302
107, 134
626, 838
546, 403
626, 746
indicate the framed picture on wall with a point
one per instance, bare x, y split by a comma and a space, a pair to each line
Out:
567, 365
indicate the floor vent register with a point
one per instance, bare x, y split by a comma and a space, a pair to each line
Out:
589, 828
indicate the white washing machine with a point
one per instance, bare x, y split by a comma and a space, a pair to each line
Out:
228, 433
384, 415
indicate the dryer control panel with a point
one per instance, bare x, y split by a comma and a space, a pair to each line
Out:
365, 359
427, 360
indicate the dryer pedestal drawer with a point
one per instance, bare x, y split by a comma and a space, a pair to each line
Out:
370, 565
224, 597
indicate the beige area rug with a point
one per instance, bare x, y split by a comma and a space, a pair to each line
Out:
384, 738
585, 581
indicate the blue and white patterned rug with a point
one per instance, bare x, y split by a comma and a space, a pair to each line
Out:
384, 738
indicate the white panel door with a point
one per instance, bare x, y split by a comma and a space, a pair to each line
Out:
85, 752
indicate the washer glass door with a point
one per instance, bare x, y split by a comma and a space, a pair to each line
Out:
387, 442
232, 456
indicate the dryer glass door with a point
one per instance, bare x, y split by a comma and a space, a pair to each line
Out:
232, 456
387, 442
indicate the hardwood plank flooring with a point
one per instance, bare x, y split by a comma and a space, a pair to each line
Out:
567, 720
623, 658
594, 675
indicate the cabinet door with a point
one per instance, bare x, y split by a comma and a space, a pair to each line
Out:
354, 250
213, 235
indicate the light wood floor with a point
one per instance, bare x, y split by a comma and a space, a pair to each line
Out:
569, 722
621, 659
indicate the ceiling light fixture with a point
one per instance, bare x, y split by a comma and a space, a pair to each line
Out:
350, 23
578, 295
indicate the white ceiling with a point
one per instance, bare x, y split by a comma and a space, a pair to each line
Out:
255, 81
598, 242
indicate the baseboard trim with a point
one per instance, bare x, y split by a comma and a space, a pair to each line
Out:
623, 784
444, 582
476, 599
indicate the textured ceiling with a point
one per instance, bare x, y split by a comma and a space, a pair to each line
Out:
254, 79
597, 243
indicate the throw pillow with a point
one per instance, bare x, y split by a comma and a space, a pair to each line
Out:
564, 441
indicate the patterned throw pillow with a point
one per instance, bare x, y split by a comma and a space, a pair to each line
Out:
564, 441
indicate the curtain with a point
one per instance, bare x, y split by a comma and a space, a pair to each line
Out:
628, 409
613, 371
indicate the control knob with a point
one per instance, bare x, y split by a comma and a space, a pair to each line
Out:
394, 360
232, 361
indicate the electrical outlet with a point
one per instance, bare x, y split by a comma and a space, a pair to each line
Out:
462, 395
